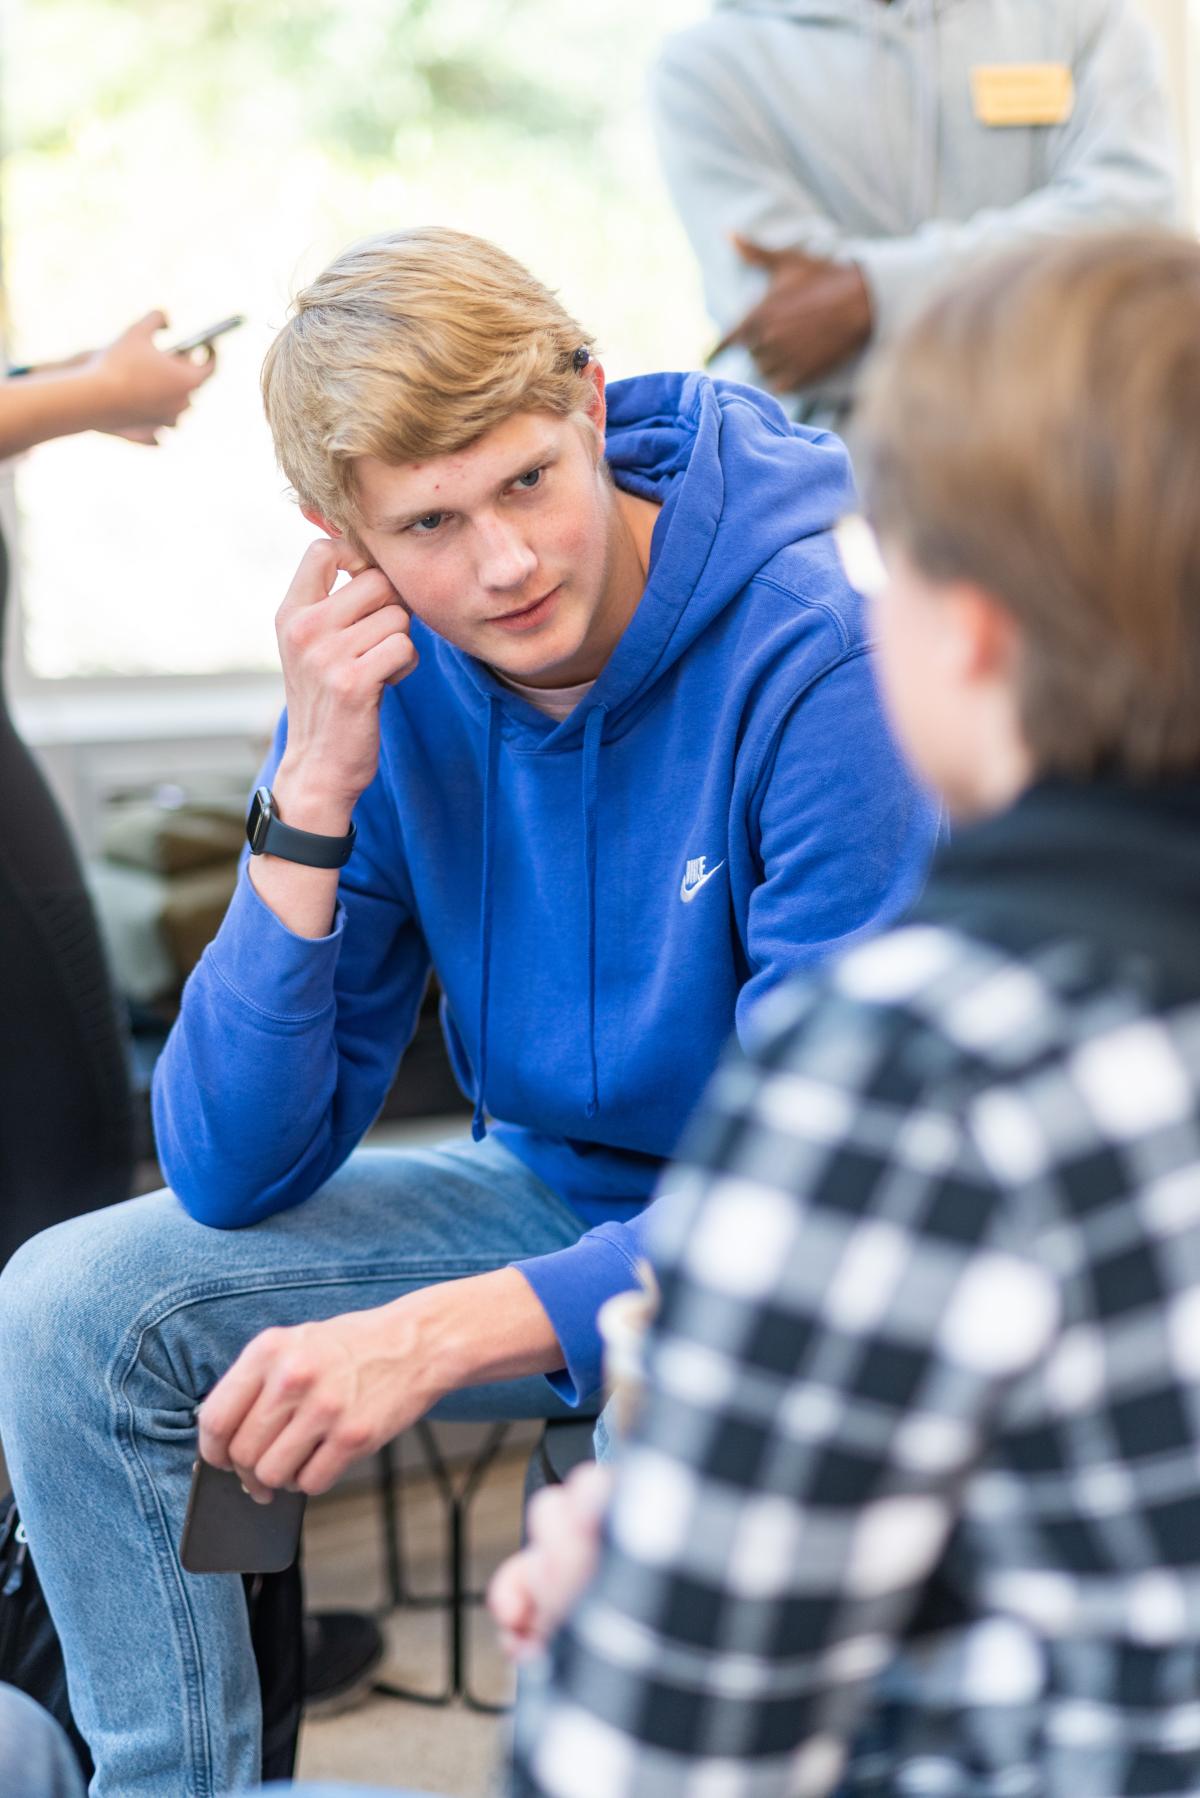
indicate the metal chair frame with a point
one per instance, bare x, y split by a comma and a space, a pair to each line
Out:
455, 1597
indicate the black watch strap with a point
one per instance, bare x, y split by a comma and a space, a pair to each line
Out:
267, 834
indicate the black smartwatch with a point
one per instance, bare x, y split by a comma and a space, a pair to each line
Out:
267, 834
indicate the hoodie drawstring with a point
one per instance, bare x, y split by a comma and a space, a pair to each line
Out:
478, 1126
593, 730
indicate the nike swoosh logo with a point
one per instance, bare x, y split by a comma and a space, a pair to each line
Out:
688, 893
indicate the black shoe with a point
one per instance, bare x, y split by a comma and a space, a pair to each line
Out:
342, 1651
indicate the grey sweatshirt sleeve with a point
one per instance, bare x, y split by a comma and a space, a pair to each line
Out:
1114, 163
728, 170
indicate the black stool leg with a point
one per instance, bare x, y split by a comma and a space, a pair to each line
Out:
393, 1526
455, 1596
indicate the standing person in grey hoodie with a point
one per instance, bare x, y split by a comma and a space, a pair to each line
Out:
833, 160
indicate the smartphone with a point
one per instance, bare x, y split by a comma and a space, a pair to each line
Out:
226, 1531
204, 338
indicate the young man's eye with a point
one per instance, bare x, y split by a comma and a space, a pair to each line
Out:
529, 480
422, 527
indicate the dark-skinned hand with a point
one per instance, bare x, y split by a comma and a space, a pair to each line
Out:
814, 315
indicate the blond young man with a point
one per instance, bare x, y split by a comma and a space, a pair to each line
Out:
591, 730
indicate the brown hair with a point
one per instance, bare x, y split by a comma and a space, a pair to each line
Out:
1037, 431
412, 345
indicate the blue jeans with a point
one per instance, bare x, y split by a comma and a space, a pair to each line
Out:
113, 1326
36, 1759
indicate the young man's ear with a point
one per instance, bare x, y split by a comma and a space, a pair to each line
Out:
596, 406
337, 535
986, 638
322, 524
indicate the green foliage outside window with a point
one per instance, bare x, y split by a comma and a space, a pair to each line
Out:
364, 77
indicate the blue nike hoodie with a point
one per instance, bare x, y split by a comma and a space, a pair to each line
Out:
603, 898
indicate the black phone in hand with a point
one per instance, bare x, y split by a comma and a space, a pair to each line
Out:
227, 1531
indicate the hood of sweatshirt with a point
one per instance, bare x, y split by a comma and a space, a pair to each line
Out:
675, 439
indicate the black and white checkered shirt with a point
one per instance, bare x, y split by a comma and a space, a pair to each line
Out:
914, 1504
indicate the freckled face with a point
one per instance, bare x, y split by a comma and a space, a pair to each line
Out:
503, 548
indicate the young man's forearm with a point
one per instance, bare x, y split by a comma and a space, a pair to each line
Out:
478, 1330
353, 1382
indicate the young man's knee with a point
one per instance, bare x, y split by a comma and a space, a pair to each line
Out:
35, 1271
46, 1290
72, 1282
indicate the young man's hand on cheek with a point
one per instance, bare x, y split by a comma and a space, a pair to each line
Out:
340, 647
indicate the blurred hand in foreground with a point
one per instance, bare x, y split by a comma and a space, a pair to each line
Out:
535, 1589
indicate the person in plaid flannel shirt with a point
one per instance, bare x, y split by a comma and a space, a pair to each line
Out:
913, 1504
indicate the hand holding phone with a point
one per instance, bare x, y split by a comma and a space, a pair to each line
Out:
204, 340
135, 389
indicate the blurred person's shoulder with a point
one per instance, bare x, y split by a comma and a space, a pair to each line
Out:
1012, 1039
699, 42
729, 39
1058, 32
920, 1005
878, 1062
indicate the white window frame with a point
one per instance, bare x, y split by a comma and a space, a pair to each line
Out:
119, 707
97, 735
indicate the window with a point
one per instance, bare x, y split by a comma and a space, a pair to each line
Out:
209, 156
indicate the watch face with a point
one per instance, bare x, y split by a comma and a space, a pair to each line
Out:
259, 821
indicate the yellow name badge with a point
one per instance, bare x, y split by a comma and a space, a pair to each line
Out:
1023, 93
